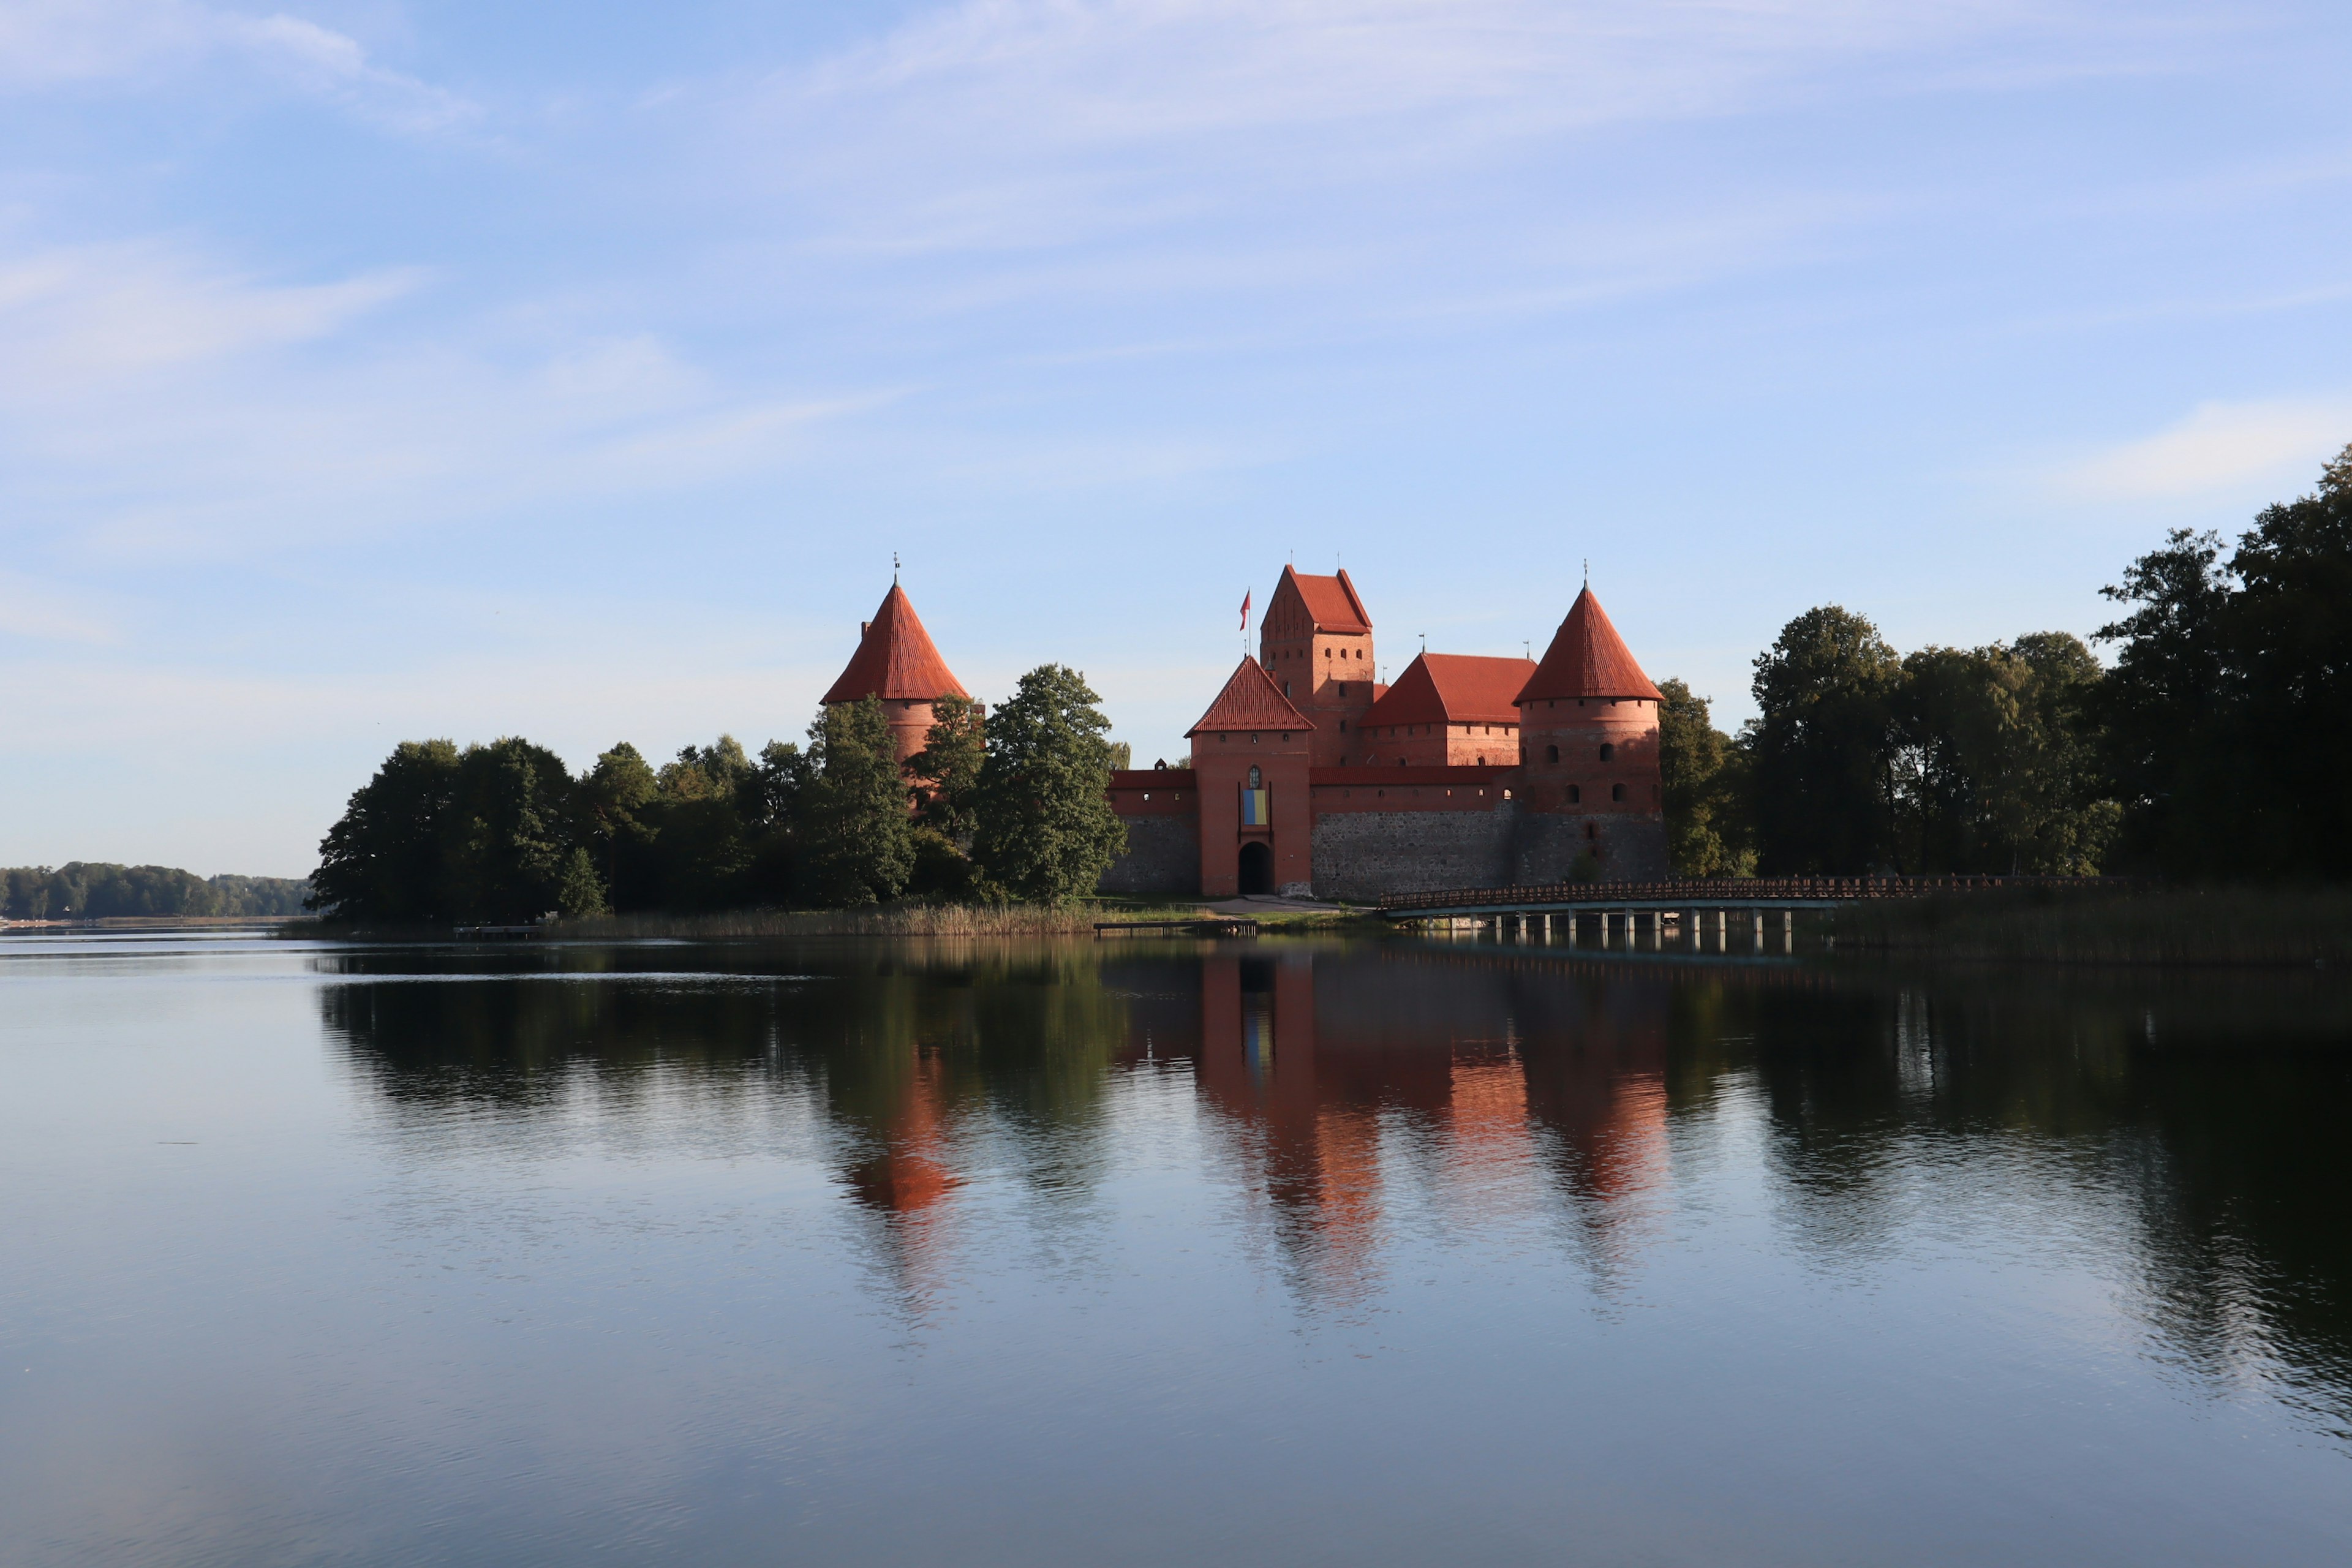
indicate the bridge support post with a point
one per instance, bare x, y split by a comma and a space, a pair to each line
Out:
1788, 931
1604, 931
1759, 931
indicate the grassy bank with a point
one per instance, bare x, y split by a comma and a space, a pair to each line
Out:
2298, 927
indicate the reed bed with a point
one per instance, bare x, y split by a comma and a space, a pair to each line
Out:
881, 920
2296, 927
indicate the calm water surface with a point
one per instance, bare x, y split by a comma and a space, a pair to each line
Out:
1383, 1253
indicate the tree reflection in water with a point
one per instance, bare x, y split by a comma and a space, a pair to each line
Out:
2197, 1120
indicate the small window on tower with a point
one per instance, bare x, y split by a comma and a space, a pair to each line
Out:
1576, 795
1607, 751
1551, 753
1616, 791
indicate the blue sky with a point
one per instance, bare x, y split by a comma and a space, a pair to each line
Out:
371, 371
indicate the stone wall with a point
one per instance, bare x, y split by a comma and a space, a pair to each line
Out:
1360, 855
1163, 856
1548, 845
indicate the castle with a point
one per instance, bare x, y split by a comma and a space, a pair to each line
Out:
1310, 777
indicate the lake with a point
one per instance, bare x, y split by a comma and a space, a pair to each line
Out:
1286, 1251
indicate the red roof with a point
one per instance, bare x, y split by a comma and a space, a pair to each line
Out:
1586, 658
896, 659
1453, 689
1331, 603
1251, 701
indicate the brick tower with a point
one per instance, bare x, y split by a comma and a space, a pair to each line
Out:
1251, 752
897, 661
1315, 646
1588, 749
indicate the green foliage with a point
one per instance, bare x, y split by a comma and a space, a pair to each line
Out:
1823, 746
85, 890
579, 890
387, 858
947, 770
613, 799
2229, 708
942, 872
1999, 771
1044, 829
511, 830
858, 839
1706, 777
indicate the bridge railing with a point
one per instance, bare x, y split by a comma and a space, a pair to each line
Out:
1733, 889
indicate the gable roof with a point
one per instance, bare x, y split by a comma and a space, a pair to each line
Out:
1586, 658
896, 659
1251, 701
1331, 602
1453, 689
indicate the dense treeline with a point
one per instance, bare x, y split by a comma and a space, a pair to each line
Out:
89, 889
2218, 744
1011, 809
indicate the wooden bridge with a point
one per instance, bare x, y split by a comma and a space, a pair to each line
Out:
1543, 911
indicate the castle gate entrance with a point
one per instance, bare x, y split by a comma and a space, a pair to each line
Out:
1258, 868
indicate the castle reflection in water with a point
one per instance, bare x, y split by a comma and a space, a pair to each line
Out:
1580, 1099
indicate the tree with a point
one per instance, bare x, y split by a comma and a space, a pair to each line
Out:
856, 833
514, 822
2166, 705
387, 858
1043, 828
2229, 707
613, 796
2288, 642
1998, 769
1705, 775
947, 770
1825, 746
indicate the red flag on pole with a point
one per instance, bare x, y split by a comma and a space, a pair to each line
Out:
1245, 599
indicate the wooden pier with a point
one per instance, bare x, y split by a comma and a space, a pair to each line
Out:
1206, 925
1736, 905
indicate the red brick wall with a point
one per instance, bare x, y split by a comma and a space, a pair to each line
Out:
1579, 729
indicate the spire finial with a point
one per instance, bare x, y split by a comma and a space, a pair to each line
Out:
893, 568
1588, 570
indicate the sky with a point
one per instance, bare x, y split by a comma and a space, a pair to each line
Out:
375, 370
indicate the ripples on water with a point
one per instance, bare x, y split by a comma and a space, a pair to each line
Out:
1387, 1252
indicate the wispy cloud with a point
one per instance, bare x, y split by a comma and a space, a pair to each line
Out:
138, 43
2219, 447
92, 313
152, 400
1013, 122
42, 612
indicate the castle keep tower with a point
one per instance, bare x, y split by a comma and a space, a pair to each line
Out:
1589, 745
897, 661
1315, 646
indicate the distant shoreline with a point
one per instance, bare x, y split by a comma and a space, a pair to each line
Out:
148, 922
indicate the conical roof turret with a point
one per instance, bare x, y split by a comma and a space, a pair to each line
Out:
1586, 658
896, 659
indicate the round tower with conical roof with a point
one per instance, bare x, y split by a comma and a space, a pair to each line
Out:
1589, 755
897, 661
